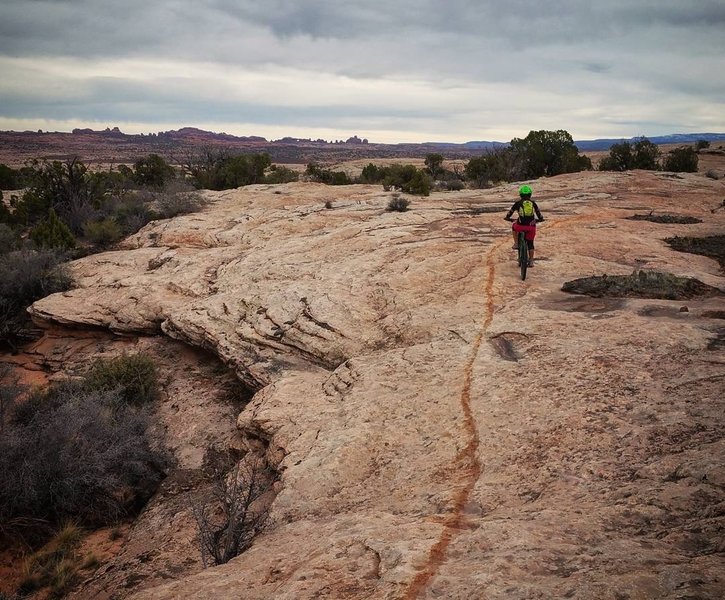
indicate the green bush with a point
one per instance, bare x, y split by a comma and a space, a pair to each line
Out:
496, 165
133, 375
702, 144
434, 164
53, 233
326, 176
103, 233
279, 174
152, 171
683, 160
547, 153
419, 184
643, 154
217, 170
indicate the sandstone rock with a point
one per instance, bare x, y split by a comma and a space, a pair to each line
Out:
417, 458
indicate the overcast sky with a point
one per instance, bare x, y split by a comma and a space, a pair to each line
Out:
387, 70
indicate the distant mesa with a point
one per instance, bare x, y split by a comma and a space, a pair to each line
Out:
107, 131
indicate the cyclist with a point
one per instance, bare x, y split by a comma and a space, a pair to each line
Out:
529, 214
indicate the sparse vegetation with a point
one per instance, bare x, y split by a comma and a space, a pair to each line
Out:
26, 276
679, 219
397, 203
76, 450
103, 233
9, 239
220, 170
327, 176
280, 174
58, 565
702, 145
712, 246
641, 284
235, 510
132, 375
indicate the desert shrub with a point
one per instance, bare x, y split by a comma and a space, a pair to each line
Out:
372, 174
683, 160
434, 164
547, 153
235, 511
103, 233
643, 154
398, 204
453, 185
9, 239
27, 276
84, 455
218, 170
5, 215
496, 165
280, 174
53, 233
133, 211
702, 144
56, 565
66, 187
9, 179
326, 176
133, 375
176, 200
10, 391
328, 204
152, 171
419, 184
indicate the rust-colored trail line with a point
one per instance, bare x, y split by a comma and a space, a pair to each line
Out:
467, 458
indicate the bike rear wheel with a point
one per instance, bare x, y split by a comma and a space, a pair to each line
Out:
523, 254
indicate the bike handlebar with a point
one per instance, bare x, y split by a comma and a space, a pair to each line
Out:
510, 220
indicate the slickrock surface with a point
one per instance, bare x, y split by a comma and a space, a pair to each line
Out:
443, 429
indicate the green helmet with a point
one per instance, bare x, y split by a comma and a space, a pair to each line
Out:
524, 190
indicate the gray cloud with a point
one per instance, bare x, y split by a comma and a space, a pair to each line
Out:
465, 57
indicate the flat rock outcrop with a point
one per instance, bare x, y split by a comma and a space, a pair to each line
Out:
443, 429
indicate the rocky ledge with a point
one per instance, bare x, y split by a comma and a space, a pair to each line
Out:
443, 429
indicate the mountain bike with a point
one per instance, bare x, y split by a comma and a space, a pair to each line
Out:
523, 252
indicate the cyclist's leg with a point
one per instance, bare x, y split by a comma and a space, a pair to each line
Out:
530, 242
515, 236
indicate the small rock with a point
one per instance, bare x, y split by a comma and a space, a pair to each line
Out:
712, 174
684, 309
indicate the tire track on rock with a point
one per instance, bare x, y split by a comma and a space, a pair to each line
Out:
467, 460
